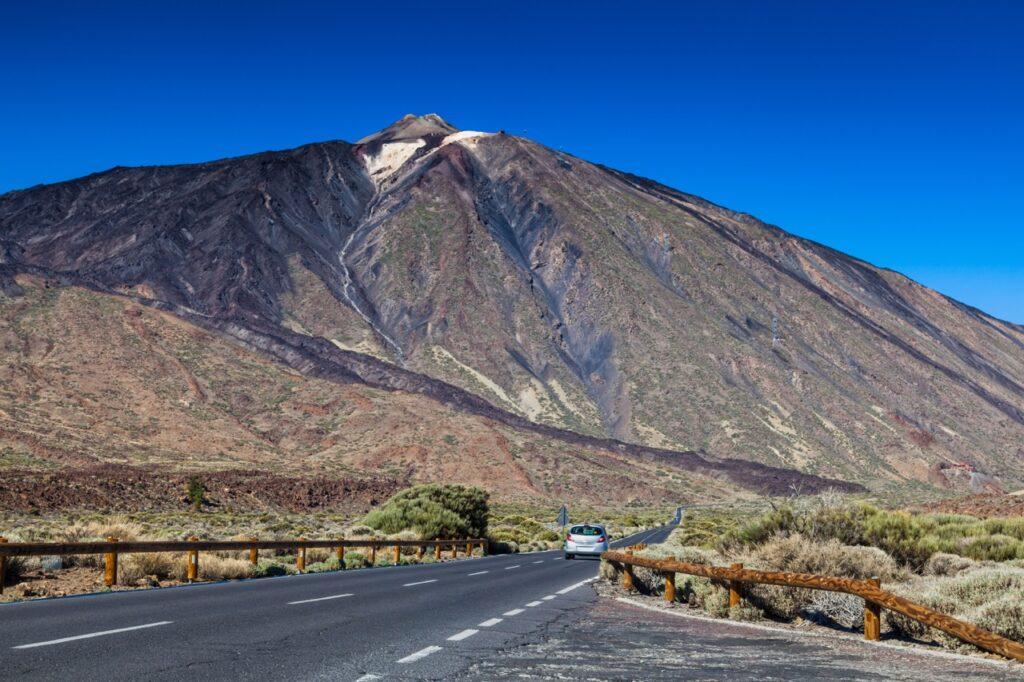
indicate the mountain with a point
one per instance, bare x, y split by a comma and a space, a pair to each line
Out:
556, 297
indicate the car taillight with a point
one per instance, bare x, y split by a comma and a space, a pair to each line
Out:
600, 538
569, 537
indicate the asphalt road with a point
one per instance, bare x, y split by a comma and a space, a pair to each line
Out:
405, 622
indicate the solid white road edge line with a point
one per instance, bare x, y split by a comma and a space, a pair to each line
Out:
422, 653
478, 573
513, 612
421, 582
459, 636
309, 601
490, 622
92, 634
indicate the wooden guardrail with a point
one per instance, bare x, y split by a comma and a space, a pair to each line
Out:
875, 598
112, 548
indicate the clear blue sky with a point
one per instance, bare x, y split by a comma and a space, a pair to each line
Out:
889, 130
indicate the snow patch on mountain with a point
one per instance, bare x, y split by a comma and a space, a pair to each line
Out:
390, 158
463, 135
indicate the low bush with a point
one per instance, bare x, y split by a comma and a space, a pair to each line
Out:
269, 569
943, 564
988, 596
434, 511
158, 565
910, 539
356, 560
213, 567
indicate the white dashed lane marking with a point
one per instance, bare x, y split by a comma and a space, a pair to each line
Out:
548, 598
91, 635
490, 622
422, 653
573, 587
459, 636
539, 562
513, 612
310, 601
421, 582
478, 573
535, 603
509, 568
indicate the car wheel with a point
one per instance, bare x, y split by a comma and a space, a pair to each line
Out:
568, 557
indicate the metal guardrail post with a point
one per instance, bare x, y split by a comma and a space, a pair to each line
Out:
873, 616
735, 589
670, 587
300, 557
3, 567
192, 562
437, 552
254, 553
110, 566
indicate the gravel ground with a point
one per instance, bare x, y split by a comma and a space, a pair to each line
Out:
615, 640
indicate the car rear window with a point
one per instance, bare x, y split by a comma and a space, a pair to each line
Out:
586, 530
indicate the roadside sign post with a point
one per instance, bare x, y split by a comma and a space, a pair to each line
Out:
563, 517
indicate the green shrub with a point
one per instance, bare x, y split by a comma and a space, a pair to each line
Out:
434, 511
356, 560
509, 534
992, 548
269, 569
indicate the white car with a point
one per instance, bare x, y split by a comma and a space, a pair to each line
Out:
587, 538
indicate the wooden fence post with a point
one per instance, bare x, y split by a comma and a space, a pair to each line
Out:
469, 549
483, 548
398, 554
437, 551
670, 587
627, 574
873, 616
455, 550
192, 564
300, 557
735, 594
420, 551
254, 554
110, 566
341, 557
373, 554
3, 567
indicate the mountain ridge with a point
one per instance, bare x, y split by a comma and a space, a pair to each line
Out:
564, 292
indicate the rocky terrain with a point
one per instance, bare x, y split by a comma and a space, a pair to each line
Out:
109, 403
497, 282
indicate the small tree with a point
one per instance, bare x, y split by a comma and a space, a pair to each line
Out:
196, 492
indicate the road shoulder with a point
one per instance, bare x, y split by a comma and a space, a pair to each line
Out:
615, 639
